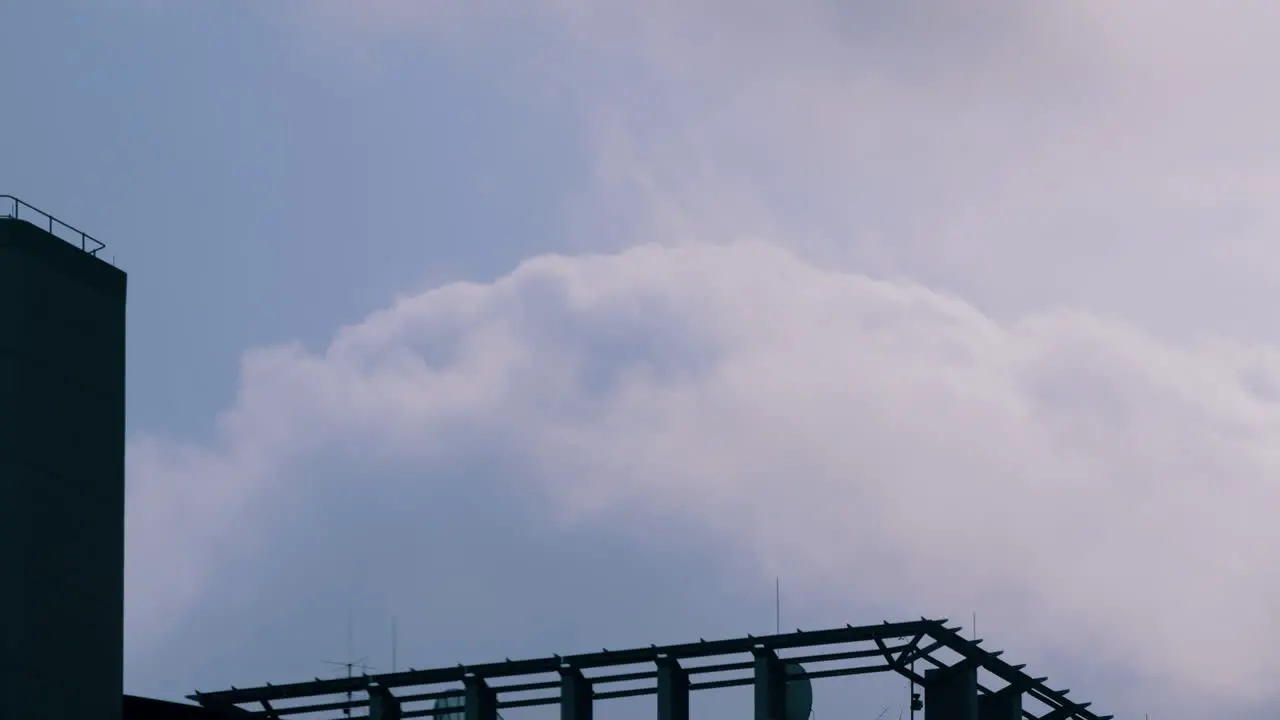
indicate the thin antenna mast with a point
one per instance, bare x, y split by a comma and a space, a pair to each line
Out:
393, 643
350, 651
350, 664
777, 606
350, 667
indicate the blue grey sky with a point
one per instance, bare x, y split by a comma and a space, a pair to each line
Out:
543, 327
257, 189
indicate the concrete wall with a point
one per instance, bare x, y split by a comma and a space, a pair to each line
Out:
62, 423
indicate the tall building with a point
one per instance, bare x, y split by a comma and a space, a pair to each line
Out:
62, 424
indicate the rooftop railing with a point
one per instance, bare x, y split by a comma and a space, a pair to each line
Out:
12, 207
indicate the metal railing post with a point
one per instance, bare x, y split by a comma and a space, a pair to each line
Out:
85, 238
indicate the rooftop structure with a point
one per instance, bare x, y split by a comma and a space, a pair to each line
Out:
15, 209
961, 680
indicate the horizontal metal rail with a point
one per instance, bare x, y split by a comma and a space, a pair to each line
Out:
12, 207
897, 645
552, 665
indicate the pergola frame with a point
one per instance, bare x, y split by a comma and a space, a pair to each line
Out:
888, 647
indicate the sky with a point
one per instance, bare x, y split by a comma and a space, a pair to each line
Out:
548, 326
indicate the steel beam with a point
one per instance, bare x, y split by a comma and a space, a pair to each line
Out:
770, 685
763, 671
584, 661
382, 704
482, 701
951, 693
575, 695
673, 690
1005, 704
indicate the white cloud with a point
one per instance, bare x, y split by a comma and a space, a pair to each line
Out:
1086, 486
1097, 478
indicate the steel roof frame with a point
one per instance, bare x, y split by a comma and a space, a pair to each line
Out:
897, 647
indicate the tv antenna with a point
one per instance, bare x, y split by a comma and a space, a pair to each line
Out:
350, 665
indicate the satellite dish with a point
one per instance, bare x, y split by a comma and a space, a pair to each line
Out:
799, 693
451, 702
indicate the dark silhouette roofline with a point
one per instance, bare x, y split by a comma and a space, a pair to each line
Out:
919, 642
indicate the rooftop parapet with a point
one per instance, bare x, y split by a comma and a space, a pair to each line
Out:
12, 207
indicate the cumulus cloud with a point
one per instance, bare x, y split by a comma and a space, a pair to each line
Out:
971, 363
1089, 487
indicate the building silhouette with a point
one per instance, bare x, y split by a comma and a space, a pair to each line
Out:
62, 424
62, 441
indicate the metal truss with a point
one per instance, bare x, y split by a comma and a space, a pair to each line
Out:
576, 681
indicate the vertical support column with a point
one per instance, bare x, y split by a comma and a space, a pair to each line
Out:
575, 695
673, 690
951, 693
771, 686
482, 702
382, 704
1005, 704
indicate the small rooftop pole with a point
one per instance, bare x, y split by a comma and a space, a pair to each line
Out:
777, 605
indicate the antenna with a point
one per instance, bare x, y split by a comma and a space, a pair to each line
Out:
393, 643
777, 605
350, 664
973, 629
